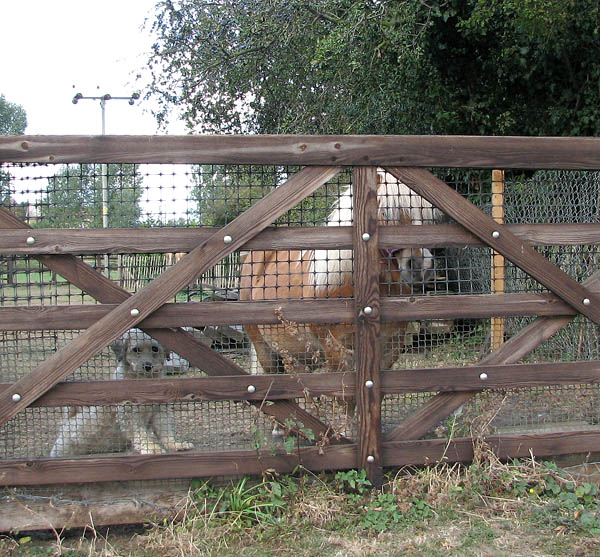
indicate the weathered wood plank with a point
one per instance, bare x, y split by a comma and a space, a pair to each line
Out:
143, 303
540, 445
92, 506
192, 389
338, 384
500, 239
378, 150
186, 465
181, 465
181, 314
341, 310
499, 376
174, 240
367, 322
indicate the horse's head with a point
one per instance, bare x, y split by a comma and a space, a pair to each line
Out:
415, 266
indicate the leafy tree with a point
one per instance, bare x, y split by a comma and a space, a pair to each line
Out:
74, 197
223, 192
12, 122
528, 67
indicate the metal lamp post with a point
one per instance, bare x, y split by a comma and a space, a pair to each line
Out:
104, 168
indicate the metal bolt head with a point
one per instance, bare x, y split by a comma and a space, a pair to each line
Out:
369, 384
370, 458
134, 312
16, 397
30, 240
366, 236
483, 376
367, 310
495, 234
586, 302
251, 389
227, 239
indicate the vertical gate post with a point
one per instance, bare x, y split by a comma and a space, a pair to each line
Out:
497, 286
367, 348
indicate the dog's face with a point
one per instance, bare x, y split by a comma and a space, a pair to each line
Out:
140, 354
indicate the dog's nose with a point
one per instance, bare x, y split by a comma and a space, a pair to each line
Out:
148, 367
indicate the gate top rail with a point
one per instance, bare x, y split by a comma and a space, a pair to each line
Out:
572, 153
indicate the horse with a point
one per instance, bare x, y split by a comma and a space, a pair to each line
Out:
311, 274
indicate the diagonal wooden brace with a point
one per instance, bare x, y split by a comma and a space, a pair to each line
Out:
500, 239
138, 306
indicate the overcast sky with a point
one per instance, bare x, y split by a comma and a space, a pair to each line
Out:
99, 47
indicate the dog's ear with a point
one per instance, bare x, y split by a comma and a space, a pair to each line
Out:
119, 347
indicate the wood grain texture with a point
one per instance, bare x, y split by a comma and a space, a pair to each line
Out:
403, 453
367, 350
181, 465
515, 348
175, 240
113, 325
540, 445
517, 251
91, 506
321, 311
337, 384
192, 389
375, 150
506, 376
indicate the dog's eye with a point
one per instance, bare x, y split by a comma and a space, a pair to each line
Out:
135, 349
155, 349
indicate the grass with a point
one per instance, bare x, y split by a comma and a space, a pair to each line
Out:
486, 508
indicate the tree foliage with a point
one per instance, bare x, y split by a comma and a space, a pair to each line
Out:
528, 67
222, 192
13, 120
74, 197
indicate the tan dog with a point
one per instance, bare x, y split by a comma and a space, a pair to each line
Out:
147, 428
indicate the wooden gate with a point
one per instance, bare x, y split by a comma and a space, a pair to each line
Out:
406, 158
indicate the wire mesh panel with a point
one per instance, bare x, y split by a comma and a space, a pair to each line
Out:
135, 196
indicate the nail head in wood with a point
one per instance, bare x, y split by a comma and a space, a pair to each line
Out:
251, 389
483, 376
370, 458
368, 310
586, 302
366, 236
227, 239
30, 240
134, 312
369, 384
495, 234
16, 397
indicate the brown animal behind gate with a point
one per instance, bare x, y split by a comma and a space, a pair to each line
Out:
296, 274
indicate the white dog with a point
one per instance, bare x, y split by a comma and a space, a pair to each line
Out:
147, 428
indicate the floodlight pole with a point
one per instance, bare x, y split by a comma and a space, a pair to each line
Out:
107, 97
104, 167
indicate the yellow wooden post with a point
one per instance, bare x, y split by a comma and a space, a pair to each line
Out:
497, 262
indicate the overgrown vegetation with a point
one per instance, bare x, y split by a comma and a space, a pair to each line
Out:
489, 507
